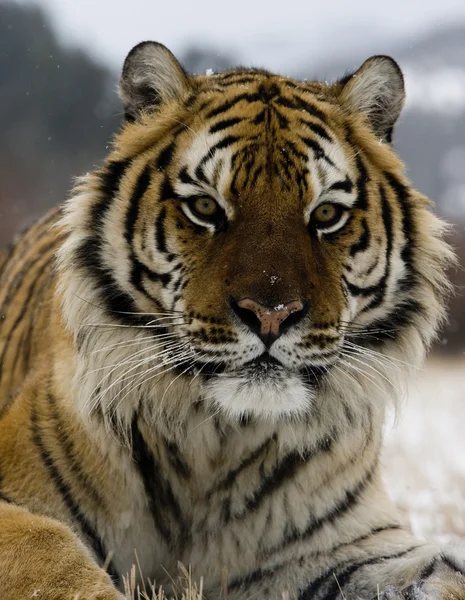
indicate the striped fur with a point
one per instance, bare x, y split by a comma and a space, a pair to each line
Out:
139, 408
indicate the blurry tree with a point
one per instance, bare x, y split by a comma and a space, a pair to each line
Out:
199, 60
57, 113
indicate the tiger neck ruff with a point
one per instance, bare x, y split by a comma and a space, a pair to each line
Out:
197, 352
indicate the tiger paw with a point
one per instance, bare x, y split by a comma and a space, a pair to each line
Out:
435, 589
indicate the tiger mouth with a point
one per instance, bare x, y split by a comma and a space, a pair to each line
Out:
263, 367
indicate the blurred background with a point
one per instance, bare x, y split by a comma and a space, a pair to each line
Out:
59, 67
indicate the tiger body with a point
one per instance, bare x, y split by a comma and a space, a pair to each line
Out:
180, 380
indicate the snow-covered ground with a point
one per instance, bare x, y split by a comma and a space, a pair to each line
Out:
424, 455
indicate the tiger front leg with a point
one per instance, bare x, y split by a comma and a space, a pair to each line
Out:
41, 558
419, 572
388, 565
443, 578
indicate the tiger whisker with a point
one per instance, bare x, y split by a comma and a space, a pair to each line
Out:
363, 374
120, 325
137, 365
124, 312
379, 359
174, 364
368, 366
130, 359
145, 340
175, 379
349, 375
384, 356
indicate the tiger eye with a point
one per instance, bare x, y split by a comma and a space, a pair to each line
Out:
205, 207
327, 214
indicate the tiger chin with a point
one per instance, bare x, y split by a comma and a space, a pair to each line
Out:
198, 348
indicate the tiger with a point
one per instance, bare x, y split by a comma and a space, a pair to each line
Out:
198, 349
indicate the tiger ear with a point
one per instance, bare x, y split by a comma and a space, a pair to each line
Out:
376, 90
151, 75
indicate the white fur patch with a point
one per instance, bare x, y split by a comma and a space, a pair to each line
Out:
272, 397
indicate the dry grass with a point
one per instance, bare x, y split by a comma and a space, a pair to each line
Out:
183, 588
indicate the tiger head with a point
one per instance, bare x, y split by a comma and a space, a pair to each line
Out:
256, 233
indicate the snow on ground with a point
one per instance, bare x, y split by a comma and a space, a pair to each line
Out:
424, 455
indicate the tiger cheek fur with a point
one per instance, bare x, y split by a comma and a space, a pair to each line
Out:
197, 352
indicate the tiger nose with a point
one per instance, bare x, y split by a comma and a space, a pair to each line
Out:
267, 321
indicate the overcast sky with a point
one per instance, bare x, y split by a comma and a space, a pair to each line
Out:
264, 33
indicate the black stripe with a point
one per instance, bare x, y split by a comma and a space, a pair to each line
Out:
362, 180
389, 327
6, 262
163, 160
254, 177
363, 242
138, 270
241, 80
160, 236
113, 298
164, 506
176, 460
143, 182
356, 290
345, 186
110, 180
23, 345
387, 222
232, 102
29, 242
283, 472
88, 254
66, 494
402, 195
318, 129
67, 446
241, 72
292, 149
33, 320
167, 191
9, 402
346, 502
310, 592
452, 565
30, 296
282, 120
317, 150
225, 124
4, 498
259, 118
224, 143
339, 581
260, 574
283, 172
378, 289
185, 177
231, 476
297, 103
429, 569
32, 235
302, 104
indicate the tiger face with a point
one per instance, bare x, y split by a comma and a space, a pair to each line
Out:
261, 224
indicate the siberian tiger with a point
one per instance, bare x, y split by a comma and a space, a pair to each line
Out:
197, 351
